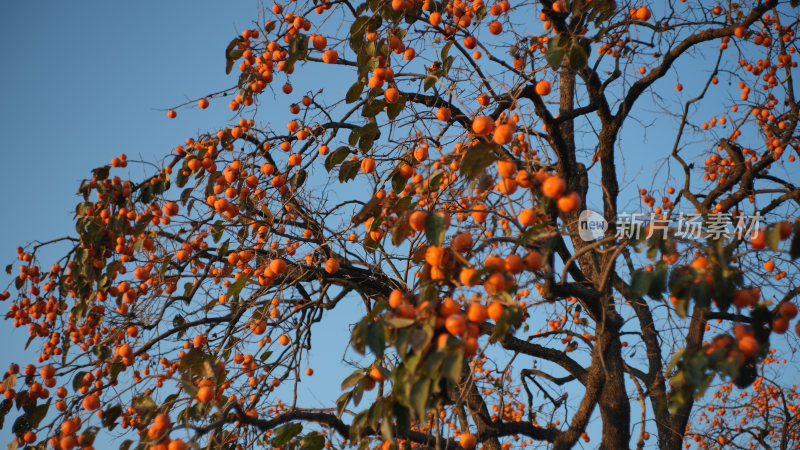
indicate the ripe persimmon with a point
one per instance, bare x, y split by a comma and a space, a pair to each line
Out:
569, 203
787, 310
504, 134
748, 346
456, 324
176, 444
331, 265
435, 256
534, 260
91, 402
465, 276
506, 168
542, 88
29, 437
480, 213
643, 14
758, 240
330, 56
462, 241
396, 297
477, 313
368, 165
514, 264
205, 394
554, 187
527, 217
495, 310
416, 220
482, 125
391, 95
376, 374
468, 441
780, 325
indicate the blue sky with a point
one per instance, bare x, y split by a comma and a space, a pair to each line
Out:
79, 86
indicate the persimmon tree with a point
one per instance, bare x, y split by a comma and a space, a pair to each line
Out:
436, 167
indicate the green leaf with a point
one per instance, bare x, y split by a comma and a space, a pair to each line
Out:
354, 93
435, 227
452, 366
446, 50
141, 224
577, 56
102, 352
640, 281
116, 368
446, 65
230, 55
285, 433
419, 398
298, 178
264, 356
658, 281
216, 230
400, 230
554, 55
9, 382
368, 134
312, 441
341, 403
420, 337
477, 158
398, 183
111, 415
376, 338
355, 134
394, 109
336, 157
145, 405
794, 249
77, 381
373, 108
348, 170
5, 407
773, 237
701, 293
358, 29
37, 414
399, 322
237, 286
352, 379
101, 172
430, 81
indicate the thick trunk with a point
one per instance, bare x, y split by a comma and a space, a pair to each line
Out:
615, 409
